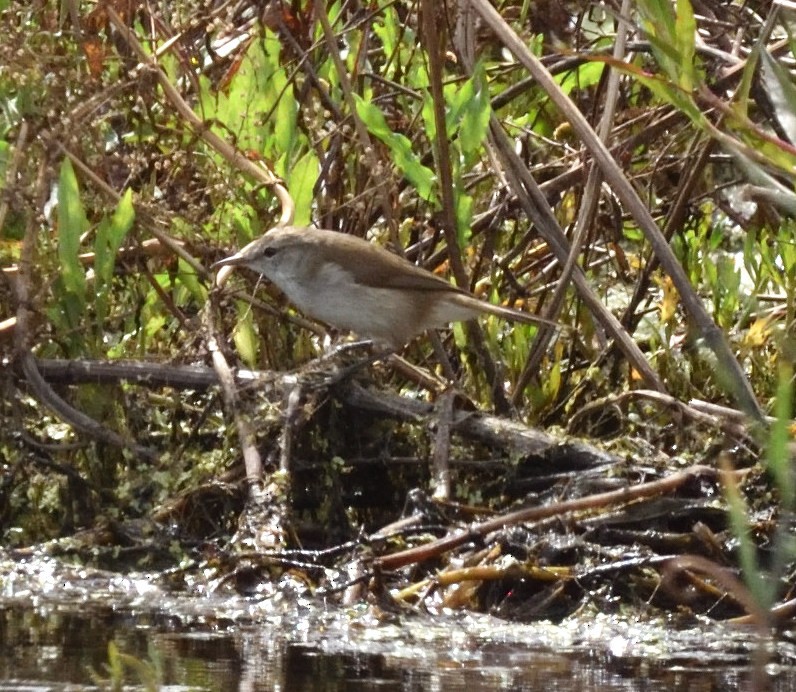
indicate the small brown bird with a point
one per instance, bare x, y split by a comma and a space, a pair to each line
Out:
354, 285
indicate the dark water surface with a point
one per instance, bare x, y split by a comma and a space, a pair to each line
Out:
56, 638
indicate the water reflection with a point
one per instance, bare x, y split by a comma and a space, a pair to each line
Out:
65, 646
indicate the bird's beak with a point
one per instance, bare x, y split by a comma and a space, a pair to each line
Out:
241, 257
235, 260
223, 268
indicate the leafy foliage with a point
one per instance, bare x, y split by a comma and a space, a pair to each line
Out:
97, 161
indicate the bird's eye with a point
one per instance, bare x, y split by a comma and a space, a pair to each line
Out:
269, 252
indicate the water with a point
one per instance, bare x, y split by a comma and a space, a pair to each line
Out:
55, 634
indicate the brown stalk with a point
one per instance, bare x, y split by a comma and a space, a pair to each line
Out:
532, 514
735, 377
432, 30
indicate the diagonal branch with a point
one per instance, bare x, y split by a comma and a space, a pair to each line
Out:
734, 377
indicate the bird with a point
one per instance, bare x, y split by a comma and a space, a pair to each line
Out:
360, 287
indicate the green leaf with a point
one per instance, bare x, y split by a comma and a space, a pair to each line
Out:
301, 185
386, 27
285, 121
778, 456
672, 94
658, 21
672, 35
187, 277
245, 335
756, 579
427, 112
153, 326
110, 236
787, 248
455, 102
66, 315
5, 150
373, 119
475, 113
400, 147
72, 223
586, 75
464, 215
685, 36
258, 106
